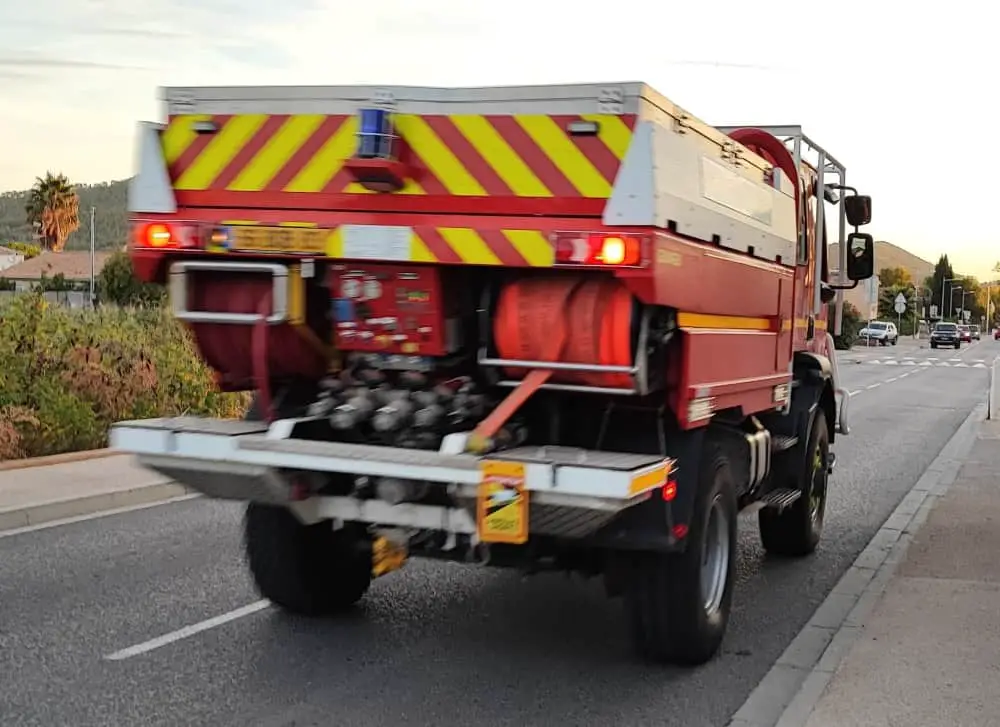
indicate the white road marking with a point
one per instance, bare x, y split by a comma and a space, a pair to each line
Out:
894, 378
188, 631
873, 386
95, 515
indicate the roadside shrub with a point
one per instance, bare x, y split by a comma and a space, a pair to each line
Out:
116, 284
66, 375
851, 324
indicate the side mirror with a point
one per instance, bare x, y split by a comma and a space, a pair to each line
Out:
860, 256
858, 209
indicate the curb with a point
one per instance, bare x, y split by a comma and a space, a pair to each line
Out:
53, 459
789, 692
45, 512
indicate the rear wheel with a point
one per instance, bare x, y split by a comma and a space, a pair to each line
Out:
679, 604
312, 570
796, 530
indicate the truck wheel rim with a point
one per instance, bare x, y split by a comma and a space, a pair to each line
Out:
715, 562
817, 490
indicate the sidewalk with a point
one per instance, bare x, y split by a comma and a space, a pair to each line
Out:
929, 652
41, 494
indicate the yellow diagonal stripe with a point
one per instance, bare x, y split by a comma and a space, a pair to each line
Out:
276, 152
498, 154
335, 244
225, 144
438, 157
328, 160
178, 135
565, 155
613, 132
533, 247
469, 245
419, 252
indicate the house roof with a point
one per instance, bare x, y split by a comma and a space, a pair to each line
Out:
74, 265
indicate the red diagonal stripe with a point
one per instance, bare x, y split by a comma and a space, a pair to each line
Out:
467, 155
596, 151
629, 121
246, 154
503, 248
439, 248
188, 156
298, 161
532, 155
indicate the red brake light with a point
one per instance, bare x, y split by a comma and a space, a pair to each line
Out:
158, 235
165, 235
599, 248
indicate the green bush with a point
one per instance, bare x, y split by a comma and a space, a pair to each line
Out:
850, 326
66, 375
117, 284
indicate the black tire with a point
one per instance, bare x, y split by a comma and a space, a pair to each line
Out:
958, 345
796, 531
309, 570
669, 619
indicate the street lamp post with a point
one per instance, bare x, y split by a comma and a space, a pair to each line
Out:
93, 212
951, 297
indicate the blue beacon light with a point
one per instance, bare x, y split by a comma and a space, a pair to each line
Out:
375, 134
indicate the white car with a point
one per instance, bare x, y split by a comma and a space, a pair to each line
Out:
884, 333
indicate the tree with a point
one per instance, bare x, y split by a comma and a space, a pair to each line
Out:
850, 325
117, 284
54, 209
889, 277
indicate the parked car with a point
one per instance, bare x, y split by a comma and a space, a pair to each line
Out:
884, 333
964, 333
976, 333
945, 334
996, 334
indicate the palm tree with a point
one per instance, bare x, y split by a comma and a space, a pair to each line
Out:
53, 208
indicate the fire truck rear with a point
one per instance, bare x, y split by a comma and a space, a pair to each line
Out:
546, 328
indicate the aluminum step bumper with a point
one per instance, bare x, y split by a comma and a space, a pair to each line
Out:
571, 492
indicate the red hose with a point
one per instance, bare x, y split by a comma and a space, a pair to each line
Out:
593, 315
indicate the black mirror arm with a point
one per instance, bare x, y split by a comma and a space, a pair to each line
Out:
852, 286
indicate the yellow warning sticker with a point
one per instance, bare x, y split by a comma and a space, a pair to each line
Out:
502, 507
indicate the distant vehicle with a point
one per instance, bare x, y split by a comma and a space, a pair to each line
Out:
945, 334
976, 333
964, 333
996, 334
885, 333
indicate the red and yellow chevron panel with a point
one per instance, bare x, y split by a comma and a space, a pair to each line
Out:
463, 155
455, 245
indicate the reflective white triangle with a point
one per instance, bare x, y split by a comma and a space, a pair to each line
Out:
961, 365
891, 362
909, 363
876, 361
926, 363
944, 363
979, 366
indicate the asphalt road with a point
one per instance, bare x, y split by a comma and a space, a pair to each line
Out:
434, 643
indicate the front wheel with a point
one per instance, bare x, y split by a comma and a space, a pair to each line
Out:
796, 530
679, 604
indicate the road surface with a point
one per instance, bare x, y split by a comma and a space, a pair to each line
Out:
165, 593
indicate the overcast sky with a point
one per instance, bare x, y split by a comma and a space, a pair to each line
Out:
890, 91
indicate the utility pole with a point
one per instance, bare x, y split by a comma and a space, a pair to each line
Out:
93, 266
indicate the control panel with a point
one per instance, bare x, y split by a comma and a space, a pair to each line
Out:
389, 309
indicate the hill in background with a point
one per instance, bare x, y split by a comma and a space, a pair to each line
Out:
111, 228
887, 255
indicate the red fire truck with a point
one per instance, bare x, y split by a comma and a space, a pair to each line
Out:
546, 328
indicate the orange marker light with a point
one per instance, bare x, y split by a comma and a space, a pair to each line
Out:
158, 235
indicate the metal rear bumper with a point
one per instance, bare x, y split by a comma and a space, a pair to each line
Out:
571, 492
